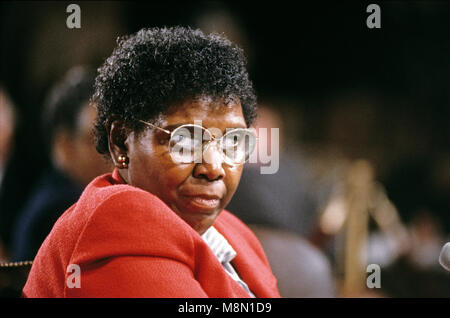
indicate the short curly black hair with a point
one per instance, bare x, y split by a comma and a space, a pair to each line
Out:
156, 67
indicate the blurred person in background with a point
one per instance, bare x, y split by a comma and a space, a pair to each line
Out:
281, 209
284, 199
7, 125
67, 124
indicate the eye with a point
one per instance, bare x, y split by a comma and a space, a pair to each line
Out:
233, 139
182, 142
238, 144
185, 139
178, 138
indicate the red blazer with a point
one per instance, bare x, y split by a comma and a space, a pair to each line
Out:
128, 243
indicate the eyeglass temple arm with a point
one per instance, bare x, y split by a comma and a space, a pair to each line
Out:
162, 129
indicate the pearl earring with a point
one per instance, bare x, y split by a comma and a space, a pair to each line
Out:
123, 160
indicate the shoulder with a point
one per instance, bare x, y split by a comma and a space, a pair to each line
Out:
123, 220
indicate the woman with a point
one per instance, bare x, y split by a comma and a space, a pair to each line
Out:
173, 110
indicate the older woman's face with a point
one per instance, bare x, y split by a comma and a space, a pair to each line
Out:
197, 192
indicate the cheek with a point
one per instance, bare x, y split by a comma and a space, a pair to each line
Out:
232, 179
154, 172
174, 176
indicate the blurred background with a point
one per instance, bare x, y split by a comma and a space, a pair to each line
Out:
363, 115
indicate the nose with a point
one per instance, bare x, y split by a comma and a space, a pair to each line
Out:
211, 167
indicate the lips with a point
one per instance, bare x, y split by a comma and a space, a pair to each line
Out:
202, 202
205, 202
199, 196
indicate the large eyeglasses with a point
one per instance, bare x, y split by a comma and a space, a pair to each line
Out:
188, 143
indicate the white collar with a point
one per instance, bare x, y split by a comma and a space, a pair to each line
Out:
219, 245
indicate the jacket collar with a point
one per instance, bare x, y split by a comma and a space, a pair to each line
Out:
260, 281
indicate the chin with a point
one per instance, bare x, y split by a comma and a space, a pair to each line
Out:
199, 216
200, 221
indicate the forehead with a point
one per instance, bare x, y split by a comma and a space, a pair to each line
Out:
212, 113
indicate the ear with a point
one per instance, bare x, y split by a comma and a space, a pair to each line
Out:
117, 140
